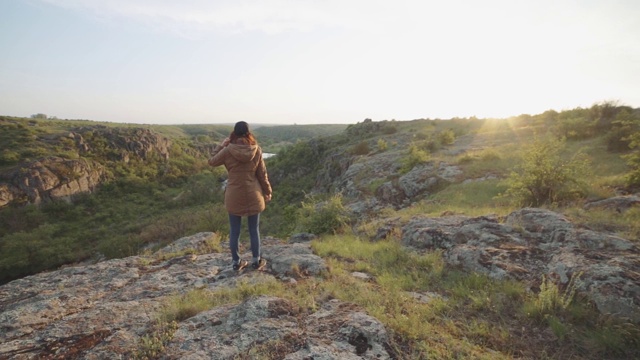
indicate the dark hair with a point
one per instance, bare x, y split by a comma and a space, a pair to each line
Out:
242, 135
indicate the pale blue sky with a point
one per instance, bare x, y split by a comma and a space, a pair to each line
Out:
313, 61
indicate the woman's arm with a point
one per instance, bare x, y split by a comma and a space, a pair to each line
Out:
263, 178
217, 156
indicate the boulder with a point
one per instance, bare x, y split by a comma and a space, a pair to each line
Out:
274, 326
103, 310
531, 243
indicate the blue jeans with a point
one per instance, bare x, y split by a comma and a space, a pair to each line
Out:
234, 236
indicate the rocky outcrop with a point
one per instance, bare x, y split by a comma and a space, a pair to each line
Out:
531, 243
127, 142
372, 182
104, 310
50, 178
422, 180
61, 178
275, 326
617, 203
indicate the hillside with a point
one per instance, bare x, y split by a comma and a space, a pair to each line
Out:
460, 238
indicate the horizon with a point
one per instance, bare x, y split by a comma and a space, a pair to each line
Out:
265, 124
311, 63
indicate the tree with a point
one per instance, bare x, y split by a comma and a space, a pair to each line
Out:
633, 160
626, 123
603, 114
545, 177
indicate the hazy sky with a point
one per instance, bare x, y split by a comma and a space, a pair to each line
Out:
314, 61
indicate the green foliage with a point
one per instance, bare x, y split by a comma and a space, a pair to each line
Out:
152, 345
382, 145
447, 137
633, 160
545, 177
604, 114
625, 124
368, 128
551, 300
293, 133
414, 157
322, 217
118, 220
9, 157
361, 148
574, 124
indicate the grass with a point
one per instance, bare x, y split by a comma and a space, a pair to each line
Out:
471, 199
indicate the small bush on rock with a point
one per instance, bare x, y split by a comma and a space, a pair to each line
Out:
322, 217
545, 177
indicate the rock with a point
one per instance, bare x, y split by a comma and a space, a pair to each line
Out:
361, 276
422, 180
192, 243
102, 311
50, 179
617, 203
302, 237
272, 325
536, 242
426, 297
391, 193
139, 142
284, 260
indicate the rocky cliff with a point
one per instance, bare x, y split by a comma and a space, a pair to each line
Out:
122, 142
50, 178
96, 147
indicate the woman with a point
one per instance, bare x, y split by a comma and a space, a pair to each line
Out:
248, 189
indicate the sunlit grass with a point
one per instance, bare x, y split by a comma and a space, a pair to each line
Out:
472, 199
625, 224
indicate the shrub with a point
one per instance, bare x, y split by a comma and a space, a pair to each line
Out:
382, 145
390, 129
626, 123
362, 148
414, 157
447, 137
633, 160
544, 177
324, 217
551, 300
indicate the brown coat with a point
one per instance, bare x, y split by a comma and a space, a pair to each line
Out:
248, 182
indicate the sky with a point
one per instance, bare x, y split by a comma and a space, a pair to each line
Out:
314, 61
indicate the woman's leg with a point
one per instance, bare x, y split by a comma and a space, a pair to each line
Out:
254, 235
234, 236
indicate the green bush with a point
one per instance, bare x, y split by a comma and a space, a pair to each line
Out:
633, 160
545, 177
322, 217
362, 148
447, 137
626, 123
414, 157
382, 145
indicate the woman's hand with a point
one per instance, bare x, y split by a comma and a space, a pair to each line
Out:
225, 142
267, 198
